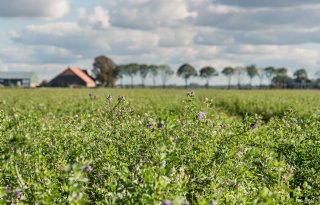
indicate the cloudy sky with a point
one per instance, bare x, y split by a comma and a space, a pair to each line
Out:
46, 36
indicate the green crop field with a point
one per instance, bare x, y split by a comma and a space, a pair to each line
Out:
153, 146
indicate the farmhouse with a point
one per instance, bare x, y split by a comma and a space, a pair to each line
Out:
72, 77
19, 79
299, 83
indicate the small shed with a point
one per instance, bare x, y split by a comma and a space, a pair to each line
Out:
72, 77
19, 79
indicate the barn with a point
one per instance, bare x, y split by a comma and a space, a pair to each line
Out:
19, 79
73, 77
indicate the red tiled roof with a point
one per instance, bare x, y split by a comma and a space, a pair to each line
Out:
83, 76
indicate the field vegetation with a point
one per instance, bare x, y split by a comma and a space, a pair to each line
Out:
149, 146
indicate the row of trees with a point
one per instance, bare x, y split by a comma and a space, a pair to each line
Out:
277, 77
164, 71
107, 72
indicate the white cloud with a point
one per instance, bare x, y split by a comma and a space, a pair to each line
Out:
44, 71
200, 32
34, 8
269, 3
82, 40
98, 20
176, 38
258, 19
52, 54
38, 54
14, 54
148, 14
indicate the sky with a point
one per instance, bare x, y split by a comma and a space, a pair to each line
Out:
47, 36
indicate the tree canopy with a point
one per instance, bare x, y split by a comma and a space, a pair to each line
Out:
208, 72
153, 69
143, 71
165, 72
131, 70
280, 78
104, 70
301, 74
186, 71
228, 72
252, 71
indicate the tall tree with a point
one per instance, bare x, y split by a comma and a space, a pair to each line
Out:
252, 71
282, 72
261, 75
165, 72
120, 73
280, 78
186, 71
104, 70
208, 72
143, 71
228, 72
131, 70
239, 71
301, 76
270, 73
153, 70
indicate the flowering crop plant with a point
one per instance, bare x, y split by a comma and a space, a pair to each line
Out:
59, 146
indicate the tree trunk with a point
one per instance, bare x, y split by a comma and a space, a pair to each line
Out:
131, 81
154, 81
186, 80
270, 83
164, 82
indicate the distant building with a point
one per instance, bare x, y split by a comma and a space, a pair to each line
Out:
299, 83
72, 77
19, 79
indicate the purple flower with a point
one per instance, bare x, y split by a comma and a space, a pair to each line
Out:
201, 115
121, 98
17, 193
109, 97
253, 126
166, 202
149, 125
191, 94
119, 113
8, 189
164, 163
213, 202
160, 125
87, 168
